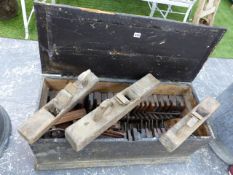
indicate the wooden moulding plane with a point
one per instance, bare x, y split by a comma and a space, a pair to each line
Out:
34, 127
82, 132
176, 135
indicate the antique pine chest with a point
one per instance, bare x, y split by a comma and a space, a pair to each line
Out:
121, 49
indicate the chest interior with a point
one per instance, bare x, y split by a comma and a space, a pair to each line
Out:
154, 116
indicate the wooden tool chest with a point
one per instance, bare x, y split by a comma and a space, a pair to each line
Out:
120, 49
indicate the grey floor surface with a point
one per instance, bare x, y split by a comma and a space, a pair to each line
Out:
20, 86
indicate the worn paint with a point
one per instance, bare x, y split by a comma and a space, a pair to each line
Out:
20, 88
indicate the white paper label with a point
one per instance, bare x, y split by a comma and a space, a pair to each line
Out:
137, 35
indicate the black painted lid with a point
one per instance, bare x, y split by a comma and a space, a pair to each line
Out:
120, 46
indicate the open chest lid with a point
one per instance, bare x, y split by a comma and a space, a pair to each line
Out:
120, 46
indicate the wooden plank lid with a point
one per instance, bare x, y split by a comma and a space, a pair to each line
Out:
120, 46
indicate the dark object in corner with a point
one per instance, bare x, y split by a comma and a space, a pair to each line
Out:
230, 171
5, 129
8, 9
221, 123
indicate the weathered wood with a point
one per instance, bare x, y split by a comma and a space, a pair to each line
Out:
71, 116
113, 52
109, 112
60, 155
44, 95
176, 135
34, 127
114, 134
112, 152
206, 11
57, 84
111, 49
